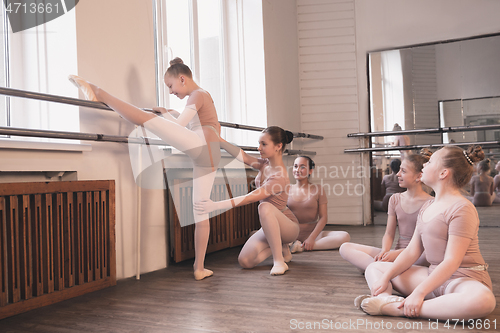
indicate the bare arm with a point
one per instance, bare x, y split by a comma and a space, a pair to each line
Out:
323, 219
179, 118
404, 261
239, 154
472, 186
388, 239
207, 206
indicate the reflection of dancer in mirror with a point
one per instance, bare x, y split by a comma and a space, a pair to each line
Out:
308, 203
279, 225
400, 141
200, 142
457, 284
402, 215
482, 188
389, 186
496, 183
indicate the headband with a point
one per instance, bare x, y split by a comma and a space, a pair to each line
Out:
467, 157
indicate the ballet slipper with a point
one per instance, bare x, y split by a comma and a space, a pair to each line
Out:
359, 299
279, 269
373, 305
200, 275
84, 87
296, 247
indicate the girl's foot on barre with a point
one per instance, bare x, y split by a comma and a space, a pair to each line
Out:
84, 86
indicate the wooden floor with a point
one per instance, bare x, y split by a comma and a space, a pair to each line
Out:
319, 289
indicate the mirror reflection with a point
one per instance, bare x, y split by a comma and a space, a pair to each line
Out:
439, 85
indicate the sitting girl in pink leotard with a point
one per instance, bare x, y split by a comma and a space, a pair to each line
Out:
457, 284
481, 186
279, 225
403, 212
308, 203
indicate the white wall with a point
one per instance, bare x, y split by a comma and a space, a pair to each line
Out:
116, 51
281, 63
387, 24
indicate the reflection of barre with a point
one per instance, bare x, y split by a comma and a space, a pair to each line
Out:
484, 144
102, 106
427, 131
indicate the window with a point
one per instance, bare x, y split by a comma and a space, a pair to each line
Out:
39, 59
222, 42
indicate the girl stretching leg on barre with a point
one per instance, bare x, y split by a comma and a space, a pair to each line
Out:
457, 284
201, 142
279, 225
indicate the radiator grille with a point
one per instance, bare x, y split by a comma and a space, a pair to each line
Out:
56, 242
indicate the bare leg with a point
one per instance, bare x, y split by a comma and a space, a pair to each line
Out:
359, 255
330, 240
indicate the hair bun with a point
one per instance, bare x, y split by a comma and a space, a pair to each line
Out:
426, 153
289, 136
176, 61
475, 153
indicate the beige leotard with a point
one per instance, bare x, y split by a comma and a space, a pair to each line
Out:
406, 222
459, 219
278, 185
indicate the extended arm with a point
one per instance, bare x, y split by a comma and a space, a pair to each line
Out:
323, 219
207, 206
240, 155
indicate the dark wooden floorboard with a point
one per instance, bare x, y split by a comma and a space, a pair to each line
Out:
320, 286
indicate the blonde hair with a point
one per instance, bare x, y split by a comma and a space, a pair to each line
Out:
461, 162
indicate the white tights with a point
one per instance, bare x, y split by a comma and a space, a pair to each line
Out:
273, 238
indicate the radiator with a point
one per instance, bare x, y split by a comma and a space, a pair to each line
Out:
228, 229
57, 241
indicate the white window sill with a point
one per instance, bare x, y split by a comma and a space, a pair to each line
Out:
51, 146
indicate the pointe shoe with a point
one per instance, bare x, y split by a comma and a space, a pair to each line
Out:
373, 305
84, 87
200, 275
296, 247
279, 269
359, 299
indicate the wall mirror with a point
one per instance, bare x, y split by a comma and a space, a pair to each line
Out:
451, 83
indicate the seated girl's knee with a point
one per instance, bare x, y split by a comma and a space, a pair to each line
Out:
264, 207
244, 262
346, 237
344, 249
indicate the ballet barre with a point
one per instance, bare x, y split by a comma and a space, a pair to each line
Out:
484, 144
102, 106
438, 130
12, 131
